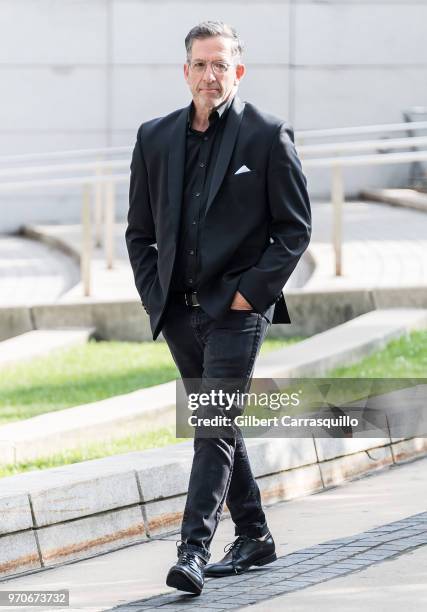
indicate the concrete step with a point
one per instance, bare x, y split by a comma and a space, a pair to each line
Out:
150, 408
40, 342
342, 345
109, 419
76, 511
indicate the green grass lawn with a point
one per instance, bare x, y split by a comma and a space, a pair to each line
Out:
87, 373
153, 439
99, 370
405, 357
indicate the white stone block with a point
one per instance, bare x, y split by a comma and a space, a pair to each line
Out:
327, 97
141, 29
290, 484
360, 33
87, 497
53, 32
53, 98
158, 90
165, 480
18, 553
164, 516
330, 448
84, 537
405, 450
271, 455
337, 471
141, 93
268, 88
15, 513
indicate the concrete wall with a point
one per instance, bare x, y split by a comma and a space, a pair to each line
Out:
84, 73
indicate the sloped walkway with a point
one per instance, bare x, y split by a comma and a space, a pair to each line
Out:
383, 246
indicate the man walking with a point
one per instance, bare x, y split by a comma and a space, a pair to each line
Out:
219, 216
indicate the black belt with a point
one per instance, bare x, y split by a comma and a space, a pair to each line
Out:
189, 298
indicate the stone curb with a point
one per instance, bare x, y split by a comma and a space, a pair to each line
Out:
109, 419
78, 511
311, 312
40, 342
147, 409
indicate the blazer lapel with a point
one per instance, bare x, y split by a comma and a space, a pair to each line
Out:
176, 162
229, 137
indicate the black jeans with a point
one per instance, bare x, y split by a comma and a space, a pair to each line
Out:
204, 348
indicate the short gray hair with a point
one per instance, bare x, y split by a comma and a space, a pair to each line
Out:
207, 29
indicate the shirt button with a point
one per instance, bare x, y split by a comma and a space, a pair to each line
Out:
190, 280
194, 223
197, 194
205, 138
202, 164
191, 252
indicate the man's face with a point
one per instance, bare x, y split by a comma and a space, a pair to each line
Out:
209, 87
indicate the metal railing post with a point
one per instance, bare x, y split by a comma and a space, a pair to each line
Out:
98, 207
109, 223
86, 241
337, 203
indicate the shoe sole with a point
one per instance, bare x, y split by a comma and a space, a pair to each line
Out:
266, 560
182, 582
259, 563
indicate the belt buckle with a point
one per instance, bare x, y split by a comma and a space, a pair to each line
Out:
193, 299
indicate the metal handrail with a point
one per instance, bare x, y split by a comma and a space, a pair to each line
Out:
360, 160
337, 187
362, 129
300, 136
110, 180
362, 145
7, 159
76, 180
54, 168
87, 183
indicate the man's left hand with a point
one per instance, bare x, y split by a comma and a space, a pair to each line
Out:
239, 303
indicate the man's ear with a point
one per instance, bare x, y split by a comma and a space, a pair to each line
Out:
186, 67
240, 72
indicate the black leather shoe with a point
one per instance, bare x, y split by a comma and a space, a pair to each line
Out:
187, 573
241, 554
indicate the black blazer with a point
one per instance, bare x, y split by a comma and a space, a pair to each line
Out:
256, 226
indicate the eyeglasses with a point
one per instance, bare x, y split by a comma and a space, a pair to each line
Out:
217, 67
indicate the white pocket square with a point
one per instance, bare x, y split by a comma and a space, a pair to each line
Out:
242, 169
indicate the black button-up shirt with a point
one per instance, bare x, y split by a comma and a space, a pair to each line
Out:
200, 157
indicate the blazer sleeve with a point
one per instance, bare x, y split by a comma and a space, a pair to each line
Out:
290, 225
140, 232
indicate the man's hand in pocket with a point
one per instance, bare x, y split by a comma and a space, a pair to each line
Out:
239, 303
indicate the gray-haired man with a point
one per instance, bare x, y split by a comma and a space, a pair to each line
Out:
219, 216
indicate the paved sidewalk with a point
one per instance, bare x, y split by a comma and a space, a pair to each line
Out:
361, 544
384, 246
399, 584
